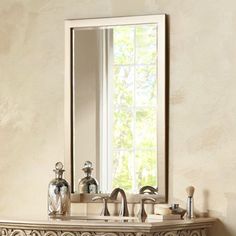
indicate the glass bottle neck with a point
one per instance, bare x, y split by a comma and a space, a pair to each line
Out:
58, 175
88, 174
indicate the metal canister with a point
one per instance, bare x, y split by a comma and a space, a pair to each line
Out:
88, 184
58, 193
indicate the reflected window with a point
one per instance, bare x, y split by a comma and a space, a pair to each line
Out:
129, 144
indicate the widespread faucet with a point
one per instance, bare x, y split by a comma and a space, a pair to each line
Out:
124, 206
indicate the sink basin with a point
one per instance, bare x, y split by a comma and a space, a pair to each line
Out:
95, 217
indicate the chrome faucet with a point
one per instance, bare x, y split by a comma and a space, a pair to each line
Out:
148, 189
142, 215
105, 211
124, 206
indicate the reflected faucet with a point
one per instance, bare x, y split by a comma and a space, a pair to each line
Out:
148, 189
124, 206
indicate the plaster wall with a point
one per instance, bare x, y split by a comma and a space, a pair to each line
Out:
202, 99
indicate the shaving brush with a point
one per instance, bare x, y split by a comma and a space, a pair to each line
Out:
190, 209
190, 191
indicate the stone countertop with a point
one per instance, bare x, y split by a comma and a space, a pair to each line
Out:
114, 225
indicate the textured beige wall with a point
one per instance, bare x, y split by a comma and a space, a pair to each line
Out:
202, 98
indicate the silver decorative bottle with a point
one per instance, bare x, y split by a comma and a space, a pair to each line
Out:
58, 193
88, 184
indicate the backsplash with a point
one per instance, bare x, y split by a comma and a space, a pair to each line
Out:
96, 208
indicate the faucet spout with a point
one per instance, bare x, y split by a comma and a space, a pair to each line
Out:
148, 189
124, 206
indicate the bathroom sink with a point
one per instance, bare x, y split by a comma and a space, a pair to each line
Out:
95, 217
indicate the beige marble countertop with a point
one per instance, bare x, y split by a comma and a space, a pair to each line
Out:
105, 225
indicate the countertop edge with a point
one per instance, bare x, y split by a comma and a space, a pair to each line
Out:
108, 226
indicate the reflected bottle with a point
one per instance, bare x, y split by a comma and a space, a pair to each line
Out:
88, 184
58, 193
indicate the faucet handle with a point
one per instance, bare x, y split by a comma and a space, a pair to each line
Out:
105, 211
142, 213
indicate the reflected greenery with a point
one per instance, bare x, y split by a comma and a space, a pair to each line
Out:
134, 105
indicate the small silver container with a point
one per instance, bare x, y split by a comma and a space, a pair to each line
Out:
58, 193
88, 184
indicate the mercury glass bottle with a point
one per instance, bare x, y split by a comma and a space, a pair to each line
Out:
88, 184
58, 193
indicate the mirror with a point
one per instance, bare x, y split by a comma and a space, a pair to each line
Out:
115, 105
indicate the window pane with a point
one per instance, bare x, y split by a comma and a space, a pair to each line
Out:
146, 55
145, 44
123, 38
123, 83
146, 86
121, 170
134, 104
146, 128
146, 168
122, 129
146, 35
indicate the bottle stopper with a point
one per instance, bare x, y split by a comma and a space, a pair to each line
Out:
88, 167
59, 169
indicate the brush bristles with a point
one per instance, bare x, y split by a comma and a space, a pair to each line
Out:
190, 191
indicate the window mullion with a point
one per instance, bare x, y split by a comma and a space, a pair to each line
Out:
110, 109
134, 187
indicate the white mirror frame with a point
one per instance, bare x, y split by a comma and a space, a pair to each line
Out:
160, 20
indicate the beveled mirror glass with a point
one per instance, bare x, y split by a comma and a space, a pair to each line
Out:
115, 101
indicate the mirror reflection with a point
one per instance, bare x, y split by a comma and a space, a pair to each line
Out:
116, 114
